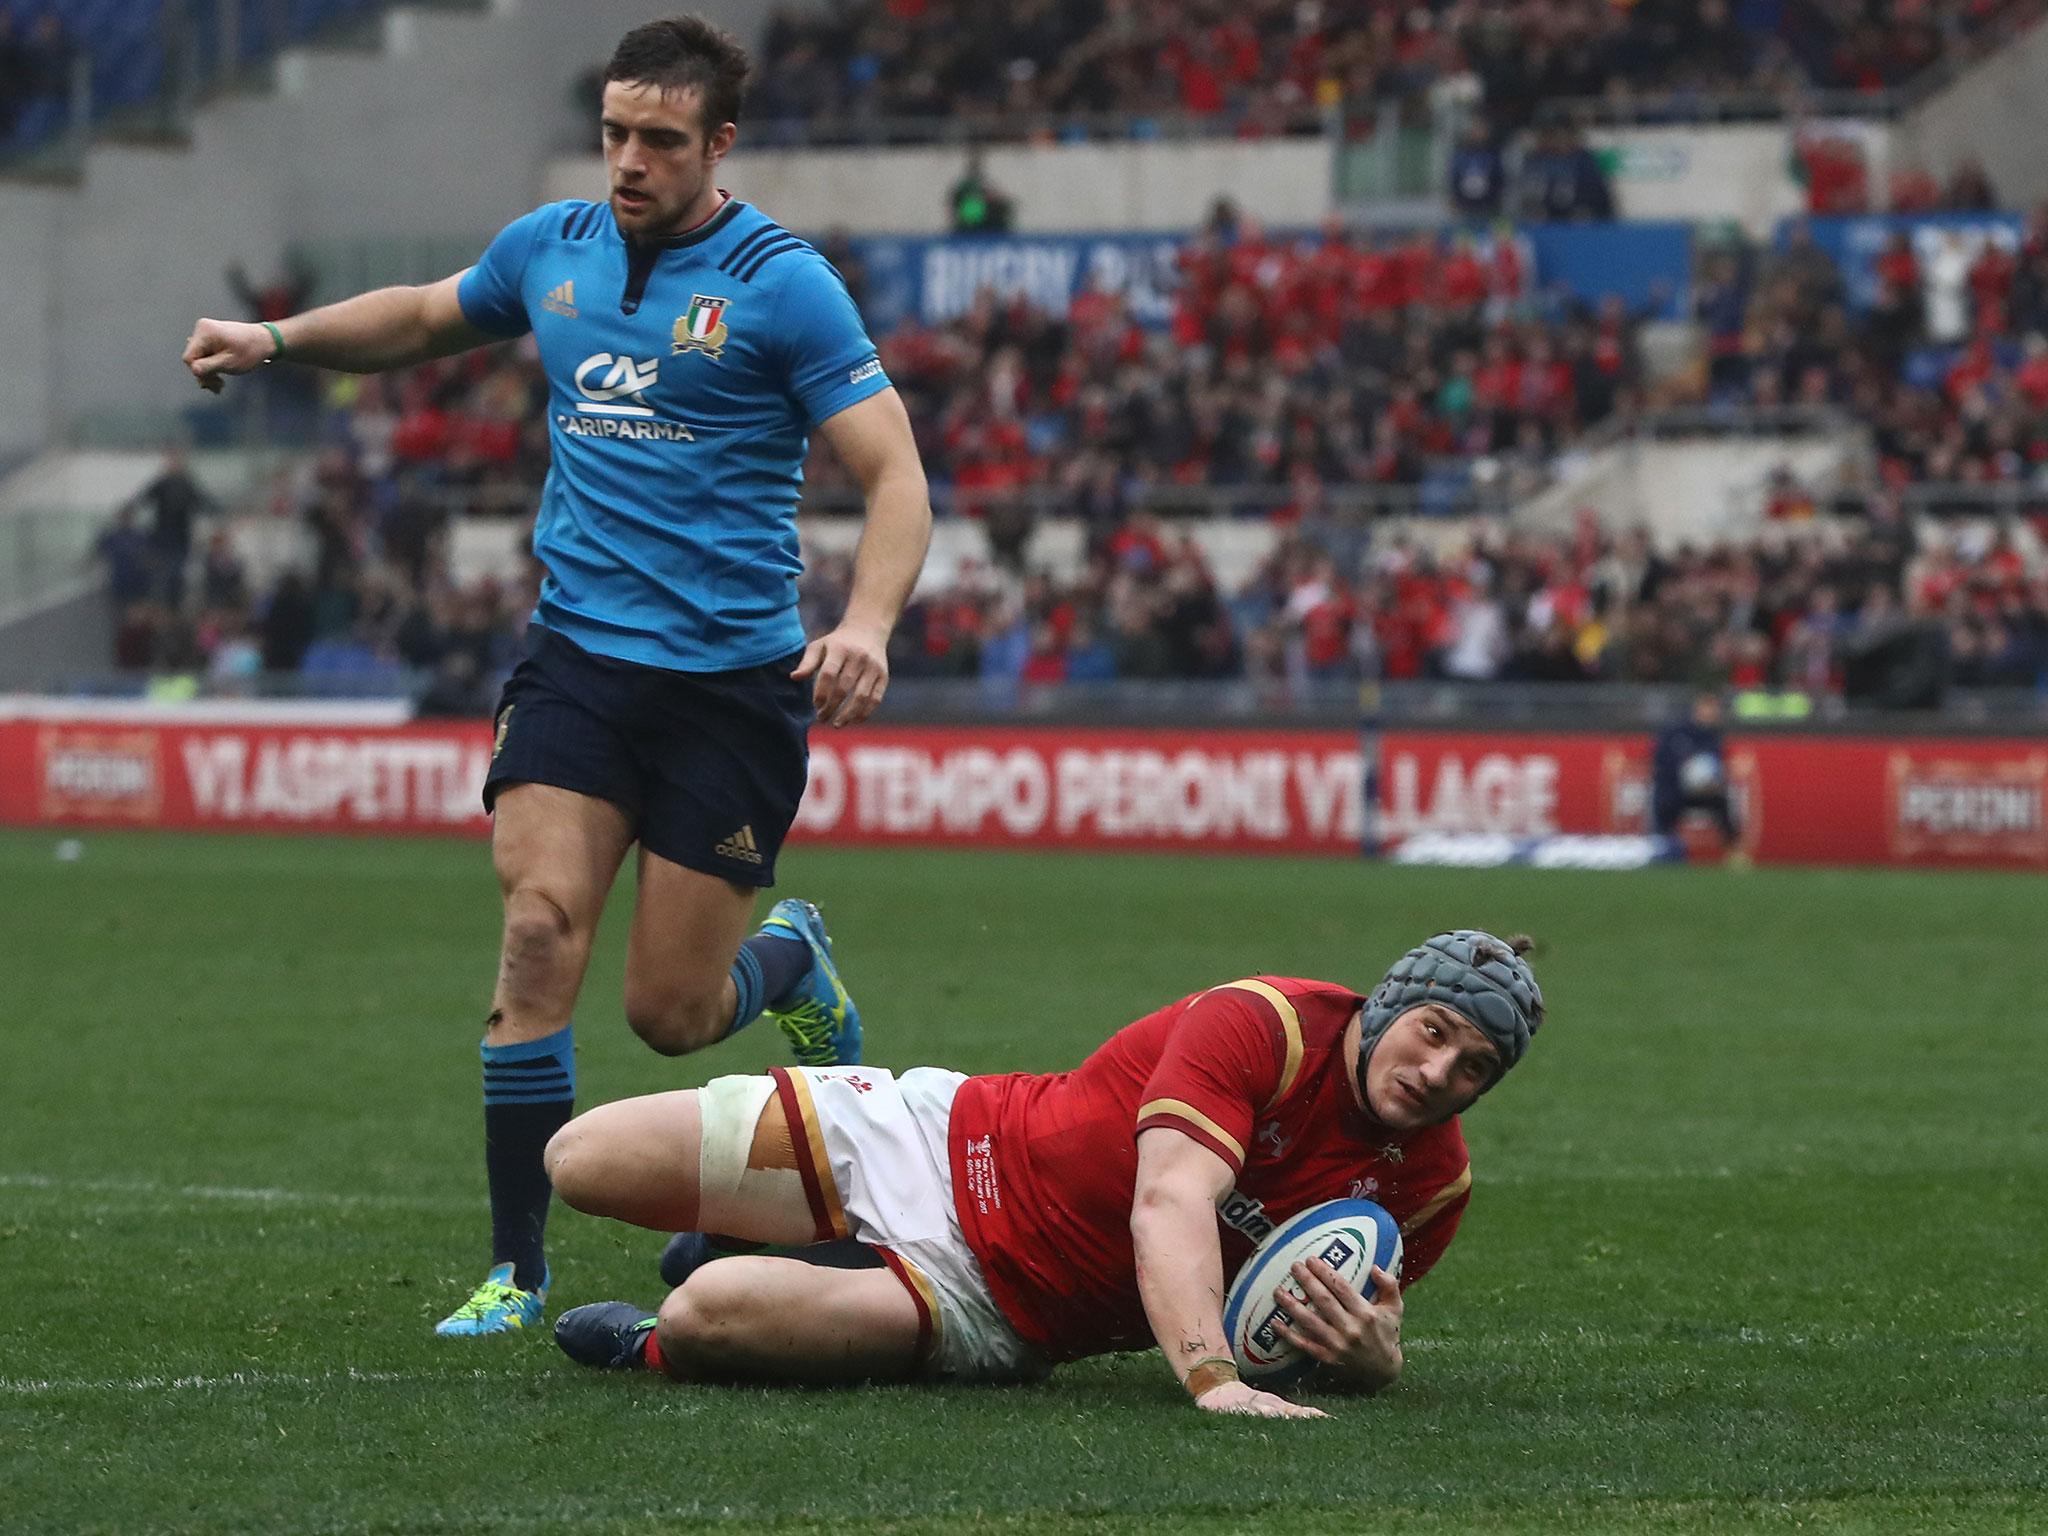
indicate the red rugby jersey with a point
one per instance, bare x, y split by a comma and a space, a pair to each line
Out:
1045, 1166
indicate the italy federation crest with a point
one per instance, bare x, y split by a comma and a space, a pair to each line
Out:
702, 327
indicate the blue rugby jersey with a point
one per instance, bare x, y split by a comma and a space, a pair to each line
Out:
684, 379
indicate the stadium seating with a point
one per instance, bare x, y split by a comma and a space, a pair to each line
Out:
1087, 418
1290, 367
1143, 598
1948, 362
1272, 65
1303, 388
140, 50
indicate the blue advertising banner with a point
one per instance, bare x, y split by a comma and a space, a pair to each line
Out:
935, 279
1649, 266
1854, 244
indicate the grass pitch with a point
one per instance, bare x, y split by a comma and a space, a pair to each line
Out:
1757, 1243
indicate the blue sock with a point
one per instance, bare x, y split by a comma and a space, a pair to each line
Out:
529, 1094
746, 986
764, 973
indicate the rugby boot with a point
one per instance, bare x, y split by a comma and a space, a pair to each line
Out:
606, 1335
688, 1252
817, 1016
691, 1252
496, 1306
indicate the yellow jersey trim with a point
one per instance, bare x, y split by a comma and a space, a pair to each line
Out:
1290, 1025
929, 1294
1444, 1197
1180, 1109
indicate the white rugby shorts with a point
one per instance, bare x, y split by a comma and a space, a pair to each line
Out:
871, 1147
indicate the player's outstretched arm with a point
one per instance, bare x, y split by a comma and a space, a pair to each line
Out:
1180, 1272
387, 328
851, 664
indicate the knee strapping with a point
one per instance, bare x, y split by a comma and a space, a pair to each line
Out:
732, 1172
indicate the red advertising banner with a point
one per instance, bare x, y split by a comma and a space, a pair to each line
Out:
1242, 791
265, 777
1839, 800
1803, 799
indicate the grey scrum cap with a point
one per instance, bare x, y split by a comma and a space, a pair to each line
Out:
1475, 975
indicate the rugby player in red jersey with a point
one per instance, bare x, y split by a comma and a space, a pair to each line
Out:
1024, 1220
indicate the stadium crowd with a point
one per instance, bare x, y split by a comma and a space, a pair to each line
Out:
1264, 66
1295, 366
1290, 365
375, 608
1949, 362
1293, 375
1794, 612
1794, 608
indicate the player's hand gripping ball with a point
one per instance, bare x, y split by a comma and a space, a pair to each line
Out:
1351, 1236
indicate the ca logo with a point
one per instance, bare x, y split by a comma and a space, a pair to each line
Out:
623, 379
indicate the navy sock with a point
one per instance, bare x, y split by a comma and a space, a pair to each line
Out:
529, 1094
784, 963
764, 973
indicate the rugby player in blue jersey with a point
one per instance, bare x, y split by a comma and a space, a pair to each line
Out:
691, 346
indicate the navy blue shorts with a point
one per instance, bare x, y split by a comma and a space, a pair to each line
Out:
708, 766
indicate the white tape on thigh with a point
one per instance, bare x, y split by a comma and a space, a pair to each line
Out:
729, 1108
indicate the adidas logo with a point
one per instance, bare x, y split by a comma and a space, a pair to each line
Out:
562, 300
741, 846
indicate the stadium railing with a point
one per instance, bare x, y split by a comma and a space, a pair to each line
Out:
969, 127
1208, 703
1702, 109
1975, 500
1449, 491
1383, 153
1720, 421
43, 551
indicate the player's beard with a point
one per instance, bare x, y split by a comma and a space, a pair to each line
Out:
659, 218
644, 216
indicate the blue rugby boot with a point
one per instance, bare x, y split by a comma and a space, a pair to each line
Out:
606, 1335
688, 1252
816, 1015
497, 1306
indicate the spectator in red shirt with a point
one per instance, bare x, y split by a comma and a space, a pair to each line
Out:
1991, 279
1897, 264
2031, 377
1463, 282
1047, 662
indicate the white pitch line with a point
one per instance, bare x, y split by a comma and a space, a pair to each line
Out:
259, 1379
234, 1195
1601, 1173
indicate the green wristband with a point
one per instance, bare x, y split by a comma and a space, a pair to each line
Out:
277, 336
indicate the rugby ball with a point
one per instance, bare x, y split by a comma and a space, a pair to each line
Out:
1700, 773
1349, 1235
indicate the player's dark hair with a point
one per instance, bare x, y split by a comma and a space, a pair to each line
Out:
685, 53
